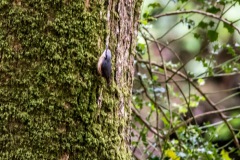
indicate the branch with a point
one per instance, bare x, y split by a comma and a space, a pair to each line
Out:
153, 130
199, 12
218, 111
204, 114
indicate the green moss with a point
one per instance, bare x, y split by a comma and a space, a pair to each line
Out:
49, 84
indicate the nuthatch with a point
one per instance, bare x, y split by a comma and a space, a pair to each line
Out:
104, 65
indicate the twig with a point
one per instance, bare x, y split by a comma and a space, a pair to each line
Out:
220, 122
199, 12
146, 123
165, 71
210, 103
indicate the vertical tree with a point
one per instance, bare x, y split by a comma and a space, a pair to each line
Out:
53, 104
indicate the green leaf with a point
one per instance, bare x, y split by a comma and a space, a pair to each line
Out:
225, 155
213, 9
229, 27
146, 15
201, 81
211, 24
198, 58
182, 109
155, 77
144, 21
172, 154
196, 35
154, 5
212, 35
193, 104
216, 47
141, 48
203, 25
230, 50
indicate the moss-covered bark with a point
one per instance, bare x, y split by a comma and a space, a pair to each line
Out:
53, 104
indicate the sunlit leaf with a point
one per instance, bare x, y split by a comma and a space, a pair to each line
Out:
155, 77
171, 154
154, 5
144, 21
225, 155
201, 81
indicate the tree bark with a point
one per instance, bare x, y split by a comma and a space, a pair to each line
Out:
53, 104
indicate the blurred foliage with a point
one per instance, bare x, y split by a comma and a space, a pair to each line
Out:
186, 88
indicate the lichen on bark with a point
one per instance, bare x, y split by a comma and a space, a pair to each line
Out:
49, 86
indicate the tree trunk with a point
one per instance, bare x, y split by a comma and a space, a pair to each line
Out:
53, 104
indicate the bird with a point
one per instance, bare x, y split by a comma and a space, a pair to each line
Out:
104, 65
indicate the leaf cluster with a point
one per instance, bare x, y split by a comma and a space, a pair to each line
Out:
174, 109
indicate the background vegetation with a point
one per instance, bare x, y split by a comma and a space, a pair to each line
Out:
186, 89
